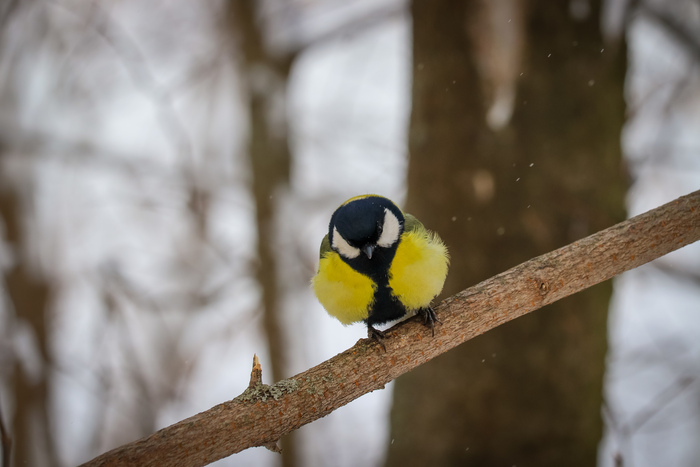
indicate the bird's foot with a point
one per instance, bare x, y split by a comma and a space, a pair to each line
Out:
376, 335
429, 318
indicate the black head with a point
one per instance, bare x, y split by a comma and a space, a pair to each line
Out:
365, 232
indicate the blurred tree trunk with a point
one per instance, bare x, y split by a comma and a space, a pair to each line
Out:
528, 392
29, 298
27, 301
270, 160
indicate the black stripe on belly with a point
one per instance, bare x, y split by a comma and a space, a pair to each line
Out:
386, 307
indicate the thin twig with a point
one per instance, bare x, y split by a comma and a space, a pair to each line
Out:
106, 27
684, 33
659, 402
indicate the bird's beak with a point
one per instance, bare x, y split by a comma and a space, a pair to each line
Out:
368, 250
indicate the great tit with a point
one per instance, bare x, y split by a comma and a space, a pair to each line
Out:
379, 264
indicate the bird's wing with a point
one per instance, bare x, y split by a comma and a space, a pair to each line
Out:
325, 246
410, 223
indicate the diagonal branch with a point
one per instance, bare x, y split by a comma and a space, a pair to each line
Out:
262, 414
683, 31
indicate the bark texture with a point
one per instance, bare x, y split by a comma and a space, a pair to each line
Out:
528, 393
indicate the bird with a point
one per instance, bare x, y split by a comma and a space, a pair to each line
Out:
378, 264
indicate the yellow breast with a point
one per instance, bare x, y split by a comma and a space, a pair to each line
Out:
419, 269
345, 293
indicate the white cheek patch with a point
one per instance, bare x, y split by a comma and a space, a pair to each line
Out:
390, 231
343, 247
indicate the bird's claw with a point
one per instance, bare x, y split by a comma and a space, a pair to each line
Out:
429, 318
376, 335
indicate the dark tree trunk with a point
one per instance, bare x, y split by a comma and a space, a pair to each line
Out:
528, 392
270, 161
29, 296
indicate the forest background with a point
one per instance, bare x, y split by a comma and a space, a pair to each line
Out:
167, 171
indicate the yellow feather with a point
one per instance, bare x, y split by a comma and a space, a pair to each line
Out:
419, 269
354, 198
344, 293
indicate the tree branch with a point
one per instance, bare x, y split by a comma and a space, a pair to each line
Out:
262, 414
683, 32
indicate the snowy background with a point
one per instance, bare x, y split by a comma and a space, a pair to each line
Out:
112, 116
653, 388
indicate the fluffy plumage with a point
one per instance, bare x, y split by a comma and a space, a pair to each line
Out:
378, 264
